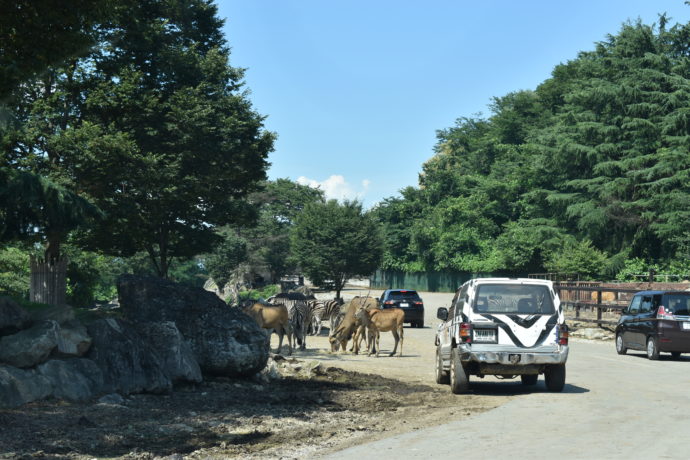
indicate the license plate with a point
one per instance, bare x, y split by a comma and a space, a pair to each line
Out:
485, 335
686, 325
404, 304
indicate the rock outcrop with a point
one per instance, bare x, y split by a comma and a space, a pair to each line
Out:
13, 318
75, 379
127, 362
224, 340
19, 386
31, 346
175, 354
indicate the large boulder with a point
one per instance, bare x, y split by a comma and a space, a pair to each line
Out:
224, 340
75, 379
31, 346
173, 350
73, 340
60, 313
13, 318
127, 361
19, 386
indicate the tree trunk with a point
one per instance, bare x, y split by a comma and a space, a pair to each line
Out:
48, 280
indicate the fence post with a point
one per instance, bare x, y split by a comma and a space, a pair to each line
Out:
599, 308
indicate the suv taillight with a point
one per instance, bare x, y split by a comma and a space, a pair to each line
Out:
661, 313
418, 303
389, 302
562, 334
466, 332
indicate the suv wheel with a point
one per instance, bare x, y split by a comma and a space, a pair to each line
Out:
420, 324
652, 349
459, 380
529, 379
442, 376
675, 354
554, 377
621, 349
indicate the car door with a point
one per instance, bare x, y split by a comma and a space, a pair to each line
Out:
445, 331
642, 319
627, 325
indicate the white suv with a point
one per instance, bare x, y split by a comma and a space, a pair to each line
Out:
504, 327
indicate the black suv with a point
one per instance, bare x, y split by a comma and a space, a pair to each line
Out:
408, 301
655, 321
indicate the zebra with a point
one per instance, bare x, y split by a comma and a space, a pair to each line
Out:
324, 309
299, 314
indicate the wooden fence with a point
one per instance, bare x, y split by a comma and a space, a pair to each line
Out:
589, 301
48, 281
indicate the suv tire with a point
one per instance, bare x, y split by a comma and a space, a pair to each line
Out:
529, 379
420, 324
554, 377
621, 349
459, 380
442, 376
652, 348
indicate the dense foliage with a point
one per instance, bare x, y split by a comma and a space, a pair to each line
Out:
151, 124
335, 242
582, 175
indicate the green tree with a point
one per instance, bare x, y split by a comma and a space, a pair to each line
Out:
155, 127
335, 242
225, 258
278, 203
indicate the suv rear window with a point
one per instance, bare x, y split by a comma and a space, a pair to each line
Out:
513, 299
403, 295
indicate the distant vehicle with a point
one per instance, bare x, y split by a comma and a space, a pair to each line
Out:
504, 327
655, 322
409, 301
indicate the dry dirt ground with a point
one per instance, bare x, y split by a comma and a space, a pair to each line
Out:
344, 400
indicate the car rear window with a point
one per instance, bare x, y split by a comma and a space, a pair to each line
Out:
678, 304
520, 299
403, 295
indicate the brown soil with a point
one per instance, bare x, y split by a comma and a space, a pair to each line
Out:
226, 418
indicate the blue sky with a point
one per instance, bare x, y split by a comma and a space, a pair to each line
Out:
356, 89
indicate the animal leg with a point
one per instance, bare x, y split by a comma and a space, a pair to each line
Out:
401, 340
395, 348
378, 347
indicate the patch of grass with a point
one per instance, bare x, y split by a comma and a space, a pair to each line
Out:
264, 293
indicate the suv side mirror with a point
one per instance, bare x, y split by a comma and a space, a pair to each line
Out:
442, 313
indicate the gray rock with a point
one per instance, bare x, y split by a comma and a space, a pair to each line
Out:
224, 340
127, 361
112, 398
73, 340
76, 379
60, 313
31, 346
19, 386
13, 318
173, 350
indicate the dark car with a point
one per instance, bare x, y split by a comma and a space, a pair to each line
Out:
655, 321
408, 301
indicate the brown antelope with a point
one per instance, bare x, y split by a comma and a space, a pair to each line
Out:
349, 326
377, 321
272, 317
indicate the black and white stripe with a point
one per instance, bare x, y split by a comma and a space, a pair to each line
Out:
323, 309
299, 313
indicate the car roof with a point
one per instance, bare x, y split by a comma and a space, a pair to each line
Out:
662, 292
513, 280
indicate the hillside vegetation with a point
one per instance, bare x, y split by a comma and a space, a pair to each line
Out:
588, 173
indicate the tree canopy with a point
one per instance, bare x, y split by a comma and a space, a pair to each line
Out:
335, 242
592, 165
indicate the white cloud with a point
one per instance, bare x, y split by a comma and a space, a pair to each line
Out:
336, 187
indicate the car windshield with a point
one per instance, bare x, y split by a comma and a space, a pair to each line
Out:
678, 304
403, 295
521, 299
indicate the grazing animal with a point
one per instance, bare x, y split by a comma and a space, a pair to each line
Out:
272, 317
377, 321
299, 314
349, 326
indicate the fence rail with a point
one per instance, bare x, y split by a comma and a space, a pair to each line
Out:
579, 298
